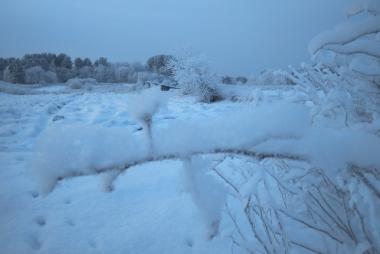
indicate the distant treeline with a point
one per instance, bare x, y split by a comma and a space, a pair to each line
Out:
53, 68
49, 68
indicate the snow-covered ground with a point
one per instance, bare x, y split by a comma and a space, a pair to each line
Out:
159, 206
148, 212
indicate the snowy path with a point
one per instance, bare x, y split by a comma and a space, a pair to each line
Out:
147, 213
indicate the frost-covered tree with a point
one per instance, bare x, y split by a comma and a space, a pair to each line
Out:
78, 63
122, 74
37, 74
87, 62
3, 66
64, 74
105, 73
194, 77
43, 60
85, 72
101, 61
15, 72
354, 44
63, 61
160, 64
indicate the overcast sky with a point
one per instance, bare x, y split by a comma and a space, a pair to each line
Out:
238, 36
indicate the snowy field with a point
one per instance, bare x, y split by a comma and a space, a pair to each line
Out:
148, 212
96, 158
161, 206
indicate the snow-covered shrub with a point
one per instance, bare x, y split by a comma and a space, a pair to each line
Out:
86, 72
339, 99
345, 80
77, 83
228, 80
64, 74
278, 77
160, 64
122, 74
36, 75
241, 80
354, 44
14, 72
105, 73
194, 77
287, 206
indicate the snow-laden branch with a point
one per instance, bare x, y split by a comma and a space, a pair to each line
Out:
274, 130
363, 46
345, 33
354, 44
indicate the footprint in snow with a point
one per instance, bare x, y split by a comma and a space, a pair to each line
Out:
92, 244
34, 241
40, 221
70, 222
34, 194
67, 201
189, 242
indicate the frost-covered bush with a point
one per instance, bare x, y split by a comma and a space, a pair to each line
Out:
278, 77
105, 73
338, 99
64, 74
14, 72
160, 64
77, 83
241, 80
194, 77
36, 75
228, 80
122, 74
86, 72
345, 80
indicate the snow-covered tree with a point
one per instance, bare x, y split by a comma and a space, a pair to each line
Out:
160, 64
64, 74
15, 72
105, 73
194, 77
35, 75
63, 61
85, 72
122, 74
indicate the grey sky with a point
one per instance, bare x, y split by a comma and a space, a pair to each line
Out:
238, 36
